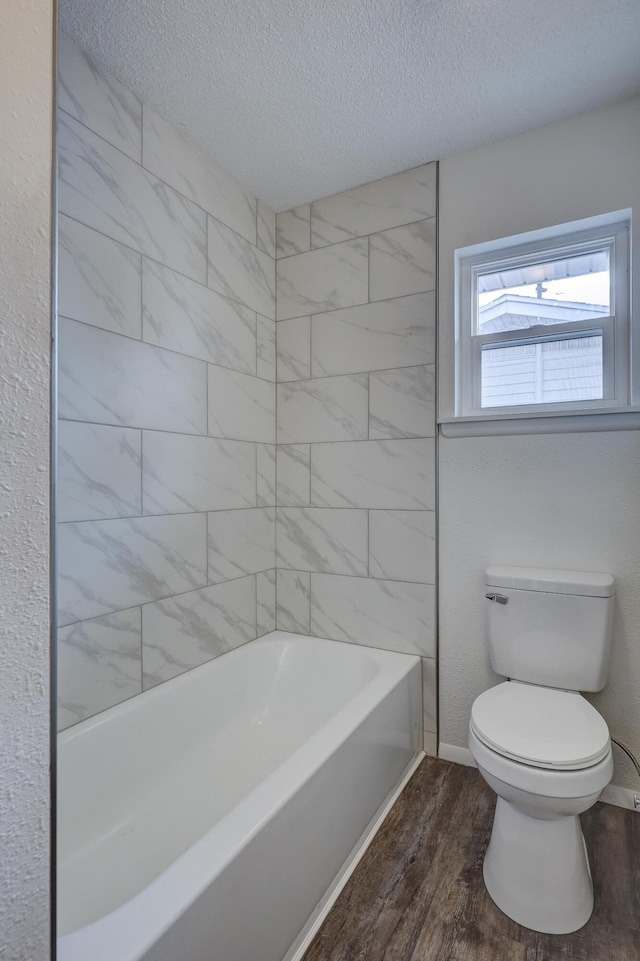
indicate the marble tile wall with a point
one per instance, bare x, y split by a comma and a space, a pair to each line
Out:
182, 533
167, 462
355, 516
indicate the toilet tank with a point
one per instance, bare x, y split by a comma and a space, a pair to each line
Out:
553, 629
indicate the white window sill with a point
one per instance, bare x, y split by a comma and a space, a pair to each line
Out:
547, 423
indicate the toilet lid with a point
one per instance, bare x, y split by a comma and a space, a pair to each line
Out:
541, 726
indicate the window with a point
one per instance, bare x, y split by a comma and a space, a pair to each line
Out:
543, 324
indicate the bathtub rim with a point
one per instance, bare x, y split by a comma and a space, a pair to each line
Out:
68, 734
221, 844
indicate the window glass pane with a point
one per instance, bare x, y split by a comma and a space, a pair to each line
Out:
554, 292
546, 372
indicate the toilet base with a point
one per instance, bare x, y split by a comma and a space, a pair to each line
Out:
537, 871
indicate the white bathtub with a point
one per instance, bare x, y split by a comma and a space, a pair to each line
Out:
205, 819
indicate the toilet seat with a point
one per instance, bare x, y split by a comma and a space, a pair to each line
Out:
546, 782
540, 726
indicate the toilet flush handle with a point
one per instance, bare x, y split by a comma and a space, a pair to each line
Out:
500, 598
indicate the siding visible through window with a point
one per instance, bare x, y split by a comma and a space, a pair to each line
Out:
542, 373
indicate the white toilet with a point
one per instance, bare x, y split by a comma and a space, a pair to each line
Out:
539, 744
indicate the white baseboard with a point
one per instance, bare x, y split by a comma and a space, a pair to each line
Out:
622, 797
459, 755
612, 794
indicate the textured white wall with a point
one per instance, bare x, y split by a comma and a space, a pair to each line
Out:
25, 199
568, 500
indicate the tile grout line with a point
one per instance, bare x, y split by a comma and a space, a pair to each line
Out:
206, 542
165, 597
147, 170
141, 651
369, 544
246, 507
142, 514
361, 304
255, 467
255, 608
149, 173
154, 260
353, 373
404, 439
277, 445
169, 350
206, 259
357, 577
355, 237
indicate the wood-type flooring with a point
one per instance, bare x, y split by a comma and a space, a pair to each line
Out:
418, 893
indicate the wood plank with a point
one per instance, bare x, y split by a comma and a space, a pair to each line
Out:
418, 893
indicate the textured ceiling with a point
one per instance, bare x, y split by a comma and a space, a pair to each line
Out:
304, 98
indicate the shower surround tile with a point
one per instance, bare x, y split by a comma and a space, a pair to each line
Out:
325, 409
393, 333
99, 472
266, 229
266, 475
106, 566
98, 100
241, 407
99, 665
266, 602
402, 403
293, 592
99, 280
266, 348
325, 279
320, 539
104, 189
403, 260
178, 162
386, 614
402, 545
294, 349
241, 542
183, 474
239, 270
293, 475
182, 315
109, 379
393, 474
390, 202
154, 341
175, 262
293, 231
182, 632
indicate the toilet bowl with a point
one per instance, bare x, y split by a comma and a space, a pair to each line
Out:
547, 755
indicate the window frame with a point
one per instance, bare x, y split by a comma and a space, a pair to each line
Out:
612, 233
